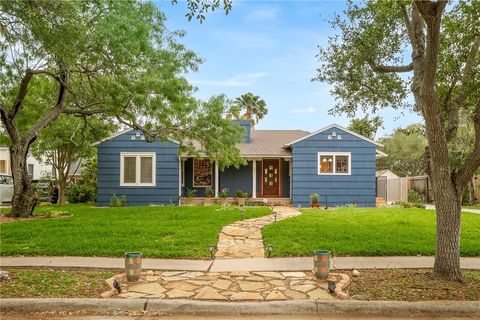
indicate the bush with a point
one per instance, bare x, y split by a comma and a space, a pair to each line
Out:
407, 204
239, 194
224, 193
81, 193
118, 201
191, 193
414, 197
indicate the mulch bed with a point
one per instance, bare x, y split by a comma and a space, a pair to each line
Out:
412, 285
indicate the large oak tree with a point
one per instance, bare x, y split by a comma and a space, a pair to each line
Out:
387, 50
114, 58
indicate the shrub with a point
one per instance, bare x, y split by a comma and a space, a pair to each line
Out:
314, 198
224, 193
209, 192
191, 193
414, 197
118, 201
240, 194
81, 193
407, 204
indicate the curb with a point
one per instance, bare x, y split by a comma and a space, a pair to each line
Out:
304, 307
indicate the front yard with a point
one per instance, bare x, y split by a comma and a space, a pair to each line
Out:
366, 232
167, 232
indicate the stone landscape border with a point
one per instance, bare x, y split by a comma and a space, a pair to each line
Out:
302, 307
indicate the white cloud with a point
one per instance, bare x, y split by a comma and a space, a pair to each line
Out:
305, 110
260, 15
243, 80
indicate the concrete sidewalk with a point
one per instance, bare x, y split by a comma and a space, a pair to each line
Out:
432, 207
230, 265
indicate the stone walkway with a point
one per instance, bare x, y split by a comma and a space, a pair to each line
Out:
227, 286
243, 239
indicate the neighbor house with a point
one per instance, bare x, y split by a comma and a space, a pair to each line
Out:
283, 166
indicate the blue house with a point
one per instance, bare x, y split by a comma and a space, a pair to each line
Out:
283, 166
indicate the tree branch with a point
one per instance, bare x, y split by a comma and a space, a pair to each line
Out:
386, 69
84, 112
465, 174
53, 113
408, 23
459, 99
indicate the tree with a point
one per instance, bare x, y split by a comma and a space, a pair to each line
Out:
405, 148
67, 139
366, 127
253, 105
113, 58
436, 51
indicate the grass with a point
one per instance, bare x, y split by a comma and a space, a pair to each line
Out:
366, 232
412, 285
54, 284
167, 231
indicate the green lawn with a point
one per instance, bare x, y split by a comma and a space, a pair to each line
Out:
366, 232
167, 232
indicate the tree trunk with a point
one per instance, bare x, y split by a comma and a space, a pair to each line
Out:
447, 253
24, 199
62, 185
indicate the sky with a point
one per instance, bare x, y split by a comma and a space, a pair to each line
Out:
269, 48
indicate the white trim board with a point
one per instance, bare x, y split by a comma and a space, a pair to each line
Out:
329, 127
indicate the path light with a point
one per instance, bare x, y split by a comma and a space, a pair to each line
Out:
275, 216
211, 247
269, 249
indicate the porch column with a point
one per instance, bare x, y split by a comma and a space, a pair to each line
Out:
216, 179
254, 175
180, 162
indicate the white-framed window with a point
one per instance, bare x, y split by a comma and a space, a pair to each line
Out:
334, 163
137, 169
202, 173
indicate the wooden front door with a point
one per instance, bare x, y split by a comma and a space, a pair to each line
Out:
271, 177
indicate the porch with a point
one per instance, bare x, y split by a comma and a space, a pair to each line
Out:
262, 179
198, 201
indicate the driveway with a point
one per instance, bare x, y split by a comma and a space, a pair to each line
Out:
476, 211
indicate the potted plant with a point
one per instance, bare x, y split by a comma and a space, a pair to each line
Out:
190, 194
223, 195
208, 195
240, 196
314, 200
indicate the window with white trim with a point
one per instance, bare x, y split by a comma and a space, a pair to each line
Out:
334, 163
137, 169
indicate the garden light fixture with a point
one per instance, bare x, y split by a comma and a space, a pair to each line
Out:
269, 249
211, 247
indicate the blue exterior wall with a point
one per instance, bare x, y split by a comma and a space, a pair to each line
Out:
237, 179
108, 181
334, 190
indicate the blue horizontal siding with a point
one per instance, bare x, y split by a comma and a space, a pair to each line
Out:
334, 190
165, 190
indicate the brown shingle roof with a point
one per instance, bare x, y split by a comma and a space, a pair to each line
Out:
269, 142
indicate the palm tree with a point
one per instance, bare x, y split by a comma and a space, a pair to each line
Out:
253, 106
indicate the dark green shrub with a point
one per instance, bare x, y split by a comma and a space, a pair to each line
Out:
81, 193
116, 201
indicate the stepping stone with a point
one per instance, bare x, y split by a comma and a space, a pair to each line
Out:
251, 285
175, 278
152, 278
208, 293
200, 282
132, 295
255, 278
181, 286
191, 275
295, 295
303, 288
240, 274
275, 275
222, 284
175, 293
320, 294
275, 295
277, 282
148, 288
171, 273
294, 274
246, 296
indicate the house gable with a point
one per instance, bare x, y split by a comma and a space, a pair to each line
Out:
358, 186
166, 187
